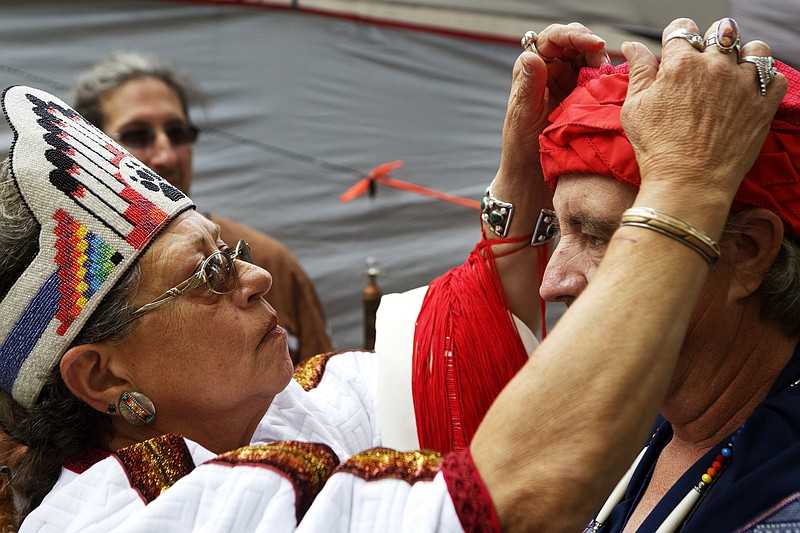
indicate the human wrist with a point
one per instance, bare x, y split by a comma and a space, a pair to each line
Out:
675, 228
498, 214
694, 201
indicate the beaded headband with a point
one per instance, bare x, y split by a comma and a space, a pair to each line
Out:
98, 208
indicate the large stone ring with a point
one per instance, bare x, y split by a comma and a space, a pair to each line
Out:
727, 37
695, 39
528, 42
766, 70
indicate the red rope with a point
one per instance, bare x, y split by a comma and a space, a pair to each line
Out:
380, 173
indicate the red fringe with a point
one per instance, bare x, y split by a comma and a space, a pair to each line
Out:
466, 348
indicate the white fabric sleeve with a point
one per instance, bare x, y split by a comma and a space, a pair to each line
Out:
341, 410
247, 494
100, 500
348, 503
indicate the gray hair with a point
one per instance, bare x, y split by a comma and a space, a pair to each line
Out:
121, 68
779, 292
60, 426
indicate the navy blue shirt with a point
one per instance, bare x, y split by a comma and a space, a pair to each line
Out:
764, 469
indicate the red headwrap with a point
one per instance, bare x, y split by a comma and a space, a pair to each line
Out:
586, 137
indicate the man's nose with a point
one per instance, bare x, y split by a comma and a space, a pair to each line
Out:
564, 278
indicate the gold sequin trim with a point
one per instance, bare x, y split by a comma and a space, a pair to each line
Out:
309, 373
380, 463
307, 465
156, 464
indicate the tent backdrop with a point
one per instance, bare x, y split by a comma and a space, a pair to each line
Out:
303, 105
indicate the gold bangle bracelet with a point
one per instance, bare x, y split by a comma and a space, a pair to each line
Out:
671, 226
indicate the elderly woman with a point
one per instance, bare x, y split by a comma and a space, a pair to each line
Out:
142, 365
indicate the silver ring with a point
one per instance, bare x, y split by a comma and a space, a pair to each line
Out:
695, 39
528, 42
766, 70
727, 37
529, 39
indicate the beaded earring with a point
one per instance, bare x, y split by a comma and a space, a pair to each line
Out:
136, 408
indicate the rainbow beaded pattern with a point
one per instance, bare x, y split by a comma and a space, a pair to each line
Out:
98, 208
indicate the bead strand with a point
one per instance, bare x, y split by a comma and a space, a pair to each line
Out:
682, 511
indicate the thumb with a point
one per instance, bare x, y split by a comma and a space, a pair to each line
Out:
642, 65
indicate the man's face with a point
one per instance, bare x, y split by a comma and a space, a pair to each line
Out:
588, 209
145, 106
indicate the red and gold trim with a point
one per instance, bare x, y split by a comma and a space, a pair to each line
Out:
81, 463
307, 465
156, 464
309, 373
470, 497
380, 463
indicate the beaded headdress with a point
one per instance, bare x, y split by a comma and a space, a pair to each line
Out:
98, 208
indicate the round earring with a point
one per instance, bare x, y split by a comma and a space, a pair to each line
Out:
136, 408
111, 408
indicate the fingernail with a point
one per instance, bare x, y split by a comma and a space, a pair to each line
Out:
608, 58
628, 50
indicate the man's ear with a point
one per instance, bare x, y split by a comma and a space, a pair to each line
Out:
751, 249
87, 372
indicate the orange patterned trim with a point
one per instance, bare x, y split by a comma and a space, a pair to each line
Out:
307, 465
155, 465
309, 373
380, 463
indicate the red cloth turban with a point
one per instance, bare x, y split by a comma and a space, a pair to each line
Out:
586, 137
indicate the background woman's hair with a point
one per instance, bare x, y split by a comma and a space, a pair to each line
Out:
120, 68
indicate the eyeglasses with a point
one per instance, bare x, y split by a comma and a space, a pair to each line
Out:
218, 272
143, 136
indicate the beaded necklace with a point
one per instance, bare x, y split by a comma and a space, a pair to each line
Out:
689, 502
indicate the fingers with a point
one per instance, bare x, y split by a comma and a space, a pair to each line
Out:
642, 65
527, 112
565, 49
755, 48
701, 93
722, 43
723, 37
559, 41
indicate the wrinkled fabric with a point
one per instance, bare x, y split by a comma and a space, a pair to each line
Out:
586, 137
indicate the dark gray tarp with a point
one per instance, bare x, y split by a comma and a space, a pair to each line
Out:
300, 108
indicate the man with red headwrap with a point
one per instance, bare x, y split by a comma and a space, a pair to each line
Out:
726, 454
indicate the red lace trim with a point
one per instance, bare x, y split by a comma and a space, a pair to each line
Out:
470, 498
